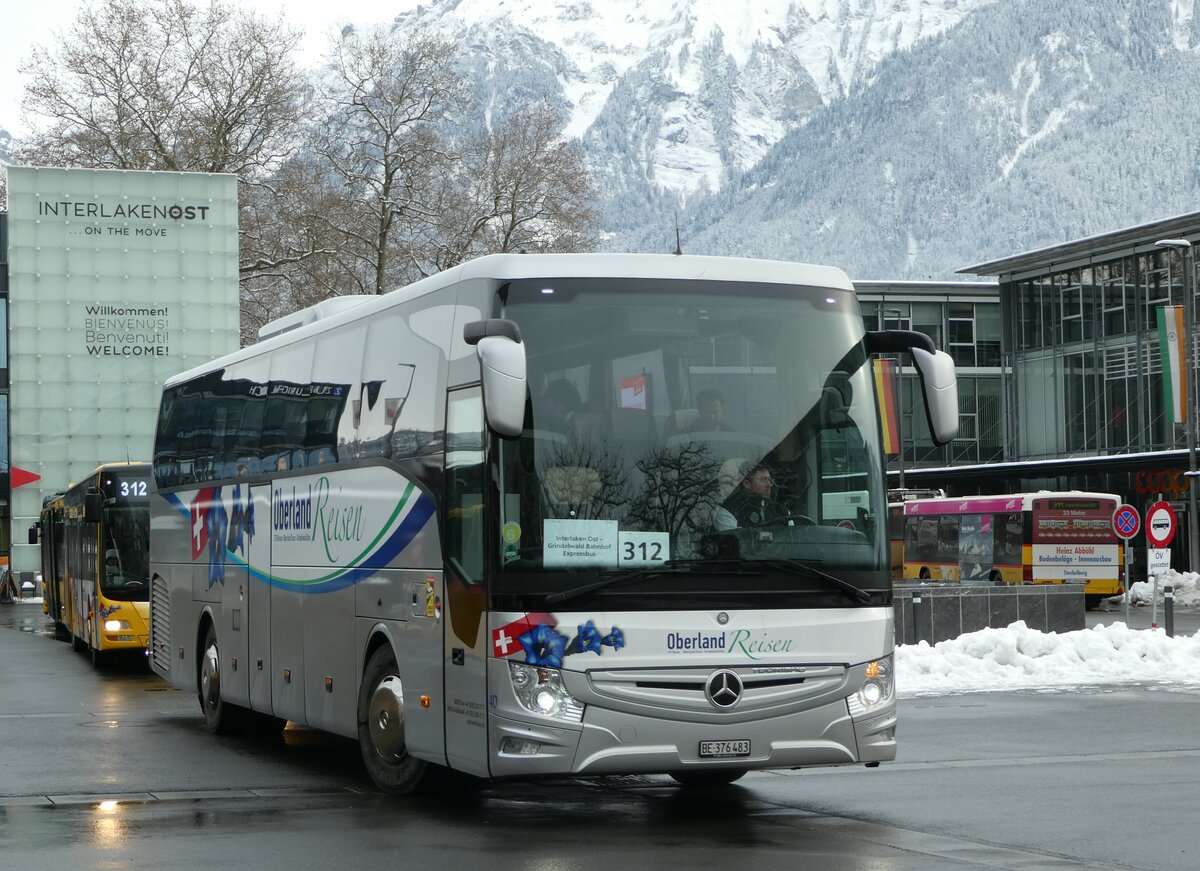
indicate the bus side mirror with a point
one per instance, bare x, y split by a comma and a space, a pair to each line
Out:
940, 386
91, 507
33, 534
503, 372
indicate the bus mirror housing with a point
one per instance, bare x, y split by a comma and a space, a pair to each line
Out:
939, 384
33, 534
91, 507
503, 372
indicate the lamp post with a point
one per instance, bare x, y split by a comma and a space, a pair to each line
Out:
1189, 305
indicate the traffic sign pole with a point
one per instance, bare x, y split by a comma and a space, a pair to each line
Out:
1126, 522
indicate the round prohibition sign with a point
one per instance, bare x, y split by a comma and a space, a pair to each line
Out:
1126, 522
1160, 524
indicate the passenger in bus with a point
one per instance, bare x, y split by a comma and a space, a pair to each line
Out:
752, 502
112, 569
711, 405
558, 407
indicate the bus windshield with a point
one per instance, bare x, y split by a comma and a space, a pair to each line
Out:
126, 539
683, 430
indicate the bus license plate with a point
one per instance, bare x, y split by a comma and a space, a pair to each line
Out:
715, 749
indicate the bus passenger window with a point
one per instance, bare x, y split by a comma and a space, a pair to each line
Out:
464, 484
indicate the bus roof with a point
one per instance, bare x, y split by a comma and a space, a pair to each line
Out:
512, 267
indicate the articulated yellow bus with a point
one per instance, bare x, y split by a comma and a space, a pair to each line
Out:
95, 559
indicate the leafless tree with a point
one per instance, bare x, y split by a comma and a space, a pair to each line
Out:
518, 187
387, 92
165, 85
679, 489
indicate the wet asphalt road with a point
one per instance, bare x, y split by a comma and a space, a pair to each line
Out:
112, 769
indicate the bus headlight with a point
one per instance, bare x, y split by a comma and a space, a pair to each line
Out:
540, 691
115, 625
878, 687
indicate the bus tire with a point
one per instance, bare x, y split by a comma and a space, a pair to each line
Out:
996, 579
220, 717
381, 727
708, 779
924, 575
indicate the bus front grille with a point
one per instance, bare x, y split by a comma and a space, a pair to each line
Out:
684, 690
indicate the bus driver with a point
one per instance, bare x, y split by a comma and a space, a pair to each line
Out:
752, 502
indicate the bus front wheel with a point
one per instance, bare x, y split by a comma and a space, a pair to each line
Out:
220, 717
381, 727
924, 575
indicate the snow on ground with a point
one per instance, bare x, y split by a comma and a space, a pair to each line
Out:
1017, 657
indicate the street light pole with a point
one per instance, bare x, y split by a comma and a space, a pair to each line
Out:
1189, 305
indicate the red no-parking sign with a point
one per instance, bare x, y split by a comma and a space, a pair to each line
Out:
1126, 521
1160, 524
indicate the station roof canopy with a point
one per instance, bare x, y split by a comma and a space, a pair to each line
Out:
1105, 246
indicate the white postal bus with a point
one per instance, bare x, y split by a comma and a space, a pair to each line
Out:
473, 522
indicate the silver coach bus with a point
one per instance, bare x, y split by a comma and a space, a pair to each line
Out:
544, 515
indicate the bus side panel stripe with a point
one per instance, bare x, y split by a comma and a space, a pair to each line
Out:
422, 508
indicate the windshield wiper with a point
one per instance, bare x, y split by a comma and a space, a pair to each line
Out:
805, 570
671, 567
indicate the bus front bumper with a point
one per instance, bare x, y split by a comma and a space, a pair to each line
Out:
614, 742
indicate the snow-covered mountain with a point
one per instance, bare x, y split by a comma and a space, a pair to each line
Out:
896, 138
679, 95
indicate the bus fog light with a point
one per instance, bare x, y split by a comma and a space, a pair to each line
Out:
540, 691
115, 625
519, 747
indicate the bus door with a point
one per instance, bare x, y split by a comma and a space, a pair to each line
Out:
257, 538
235, 614
466, 634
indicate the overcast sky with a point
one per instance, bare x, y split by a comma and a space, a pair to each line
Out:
28, 23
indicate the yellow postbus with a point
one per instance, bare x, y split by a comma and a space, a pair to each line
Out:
1039, 538
95, 546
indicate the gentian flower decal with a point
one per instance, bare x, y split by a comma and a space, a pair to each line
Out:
614, 639
543, 646
587, 640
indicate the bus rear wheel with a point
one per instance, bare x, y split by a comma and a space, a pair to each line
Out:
707, 779
381, 727
220, 717
924, 575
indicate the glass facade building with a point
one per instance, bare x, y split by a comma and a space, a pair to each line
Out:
1080, 343
963, 319
114, 281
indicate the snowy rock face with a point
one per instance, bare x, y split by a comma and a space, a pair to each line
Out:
895, 138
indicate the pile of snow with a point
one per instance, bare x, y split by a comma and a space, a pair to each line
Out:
1186, 584
1017, 658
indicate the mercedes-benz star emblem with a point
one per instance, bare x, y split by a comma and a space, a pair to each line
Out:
723, 689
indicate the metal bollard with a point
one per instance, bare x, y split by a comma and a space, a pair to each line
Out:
918, 619
1169, 610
